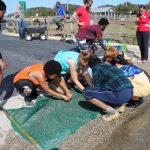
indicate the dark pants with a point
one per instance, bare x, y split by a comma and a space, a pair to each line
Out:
142, 39
21, 83
59, 21
21, 25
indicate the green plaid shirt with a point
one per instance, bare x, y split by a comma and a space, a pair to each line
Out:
109, 77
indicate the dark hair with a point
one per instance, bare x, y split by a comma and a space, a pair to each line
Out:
86, 1
58, 3
2, 5
94, 61
52, 67
120, 60
103, 21
142, 6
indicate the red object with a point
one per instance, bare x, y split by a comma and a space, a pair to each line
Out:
141, 21
84, 16
90, 32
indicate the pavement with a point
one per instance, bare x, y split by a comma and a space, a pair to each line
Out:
94, 135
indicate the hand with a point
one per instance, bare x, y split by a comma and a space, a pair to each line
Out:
66, 99
81, 23
3, 65
147, 25
69, 95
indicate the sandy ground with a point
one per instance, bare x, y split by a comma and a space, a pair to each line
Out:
96, 134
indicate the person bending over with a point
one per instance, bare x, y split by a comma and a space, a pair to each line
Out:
111, 87
74, 64
137, 77
91, 34
27, 81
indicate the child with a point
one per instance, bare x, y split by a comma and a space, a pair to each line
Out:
28, 79
74, 63
110, 86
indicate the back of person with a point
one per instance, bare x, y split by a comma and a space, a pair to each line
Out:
90, 32
60, 10
63, 56
84, 16
25, 73
109, 77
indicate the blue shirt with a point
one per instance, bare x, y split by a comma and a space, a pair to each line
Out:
60, 10
130, 70
109, 77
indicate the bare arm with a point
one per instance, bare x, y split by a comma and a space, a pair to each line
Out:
45, 86
75, 17
101, 43
74, 74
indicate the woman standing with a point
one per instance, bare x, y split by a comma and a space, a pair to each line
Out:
143, 29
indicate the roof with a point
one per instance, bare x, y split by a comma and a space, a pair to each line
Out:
101, 9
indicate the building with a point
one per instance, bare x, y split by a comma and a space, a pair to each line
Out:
103, 11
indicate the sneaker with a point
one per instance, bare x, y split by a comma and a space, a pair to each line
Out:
144, 61
121, 109
134, 104
27, 90
29, 103
110, 117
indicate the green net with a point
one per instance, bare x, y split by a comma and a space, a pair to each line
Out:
51, 120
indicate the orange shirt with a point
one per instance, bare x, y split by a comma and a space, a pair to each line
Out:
24, 74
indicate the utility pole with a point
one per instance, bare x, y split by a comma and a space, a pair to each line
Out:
67, 5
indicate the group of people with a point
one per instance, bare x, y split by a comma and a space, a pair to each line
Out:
114, 80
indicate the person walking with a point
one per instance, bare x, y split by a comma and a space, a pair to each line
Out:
143, 31
60, 16
82, 14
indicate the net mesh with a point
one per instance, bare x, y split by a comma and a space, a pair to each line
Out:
51, 120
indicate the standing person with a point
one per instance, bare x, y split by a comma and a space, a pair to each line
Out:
111, 87
143, 32
2, 63
82, 14
92, 33
29, 79
60, 16
74, 64
21, 24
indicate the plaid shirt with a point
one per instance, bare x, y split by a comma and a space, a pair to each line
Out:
109, 77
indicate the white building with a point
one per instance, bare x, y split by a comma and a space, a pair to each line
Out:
103, 11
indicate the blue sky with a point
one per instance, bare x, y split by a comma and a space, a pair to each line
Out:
11, 4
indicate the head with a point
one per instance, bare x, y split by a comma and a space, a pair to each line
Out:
103, 22
2, 9
52, 69
88, 3
111, 53
142, 9
94, 61
83, 59
58, 4
119, 60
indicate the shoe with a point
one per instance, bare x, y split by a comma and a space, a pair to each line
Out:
27, 90
57, 28
110, 117
29, 103
121, 109
144, 61
134, 104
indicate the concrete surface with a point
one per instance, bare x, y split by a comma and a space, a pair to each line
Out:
96, 134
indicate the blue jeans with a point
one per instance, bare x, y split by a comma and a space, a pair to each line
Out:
21, 25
